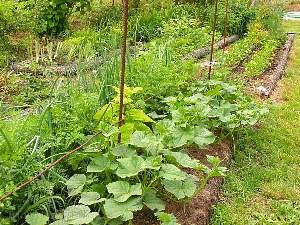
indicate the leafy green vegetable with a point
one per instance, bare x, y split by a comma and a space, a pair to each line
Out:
75, 184
90, 198
114, 209
79, 214
37, 219
166, 219
171, 172
100, 164
181, 188
129, 167
122, 190
152, 201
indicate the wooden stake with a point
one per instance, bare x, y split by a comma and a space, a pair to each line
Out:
123, 66
225, 25
213, 40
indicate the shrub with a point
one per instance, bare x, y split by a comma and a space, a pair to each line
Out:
52, 15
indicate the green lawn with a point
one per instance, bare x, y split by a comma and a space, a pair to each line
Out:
263, 186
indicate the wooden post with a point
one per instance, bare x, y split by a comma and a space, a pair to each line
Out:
213, 40
225, 25
123, 64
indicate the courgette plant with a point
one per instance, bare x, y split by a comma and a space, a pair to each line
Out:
150, 163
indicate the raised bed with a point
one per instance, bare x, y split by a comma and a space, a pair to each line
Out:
198, 210
272, 75
200, 53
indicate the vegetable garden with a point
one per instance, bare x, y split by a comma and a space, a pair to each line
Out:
130, 112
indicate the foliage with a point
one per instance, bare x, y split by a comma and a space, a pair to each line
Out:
148, 159
52, 15
107, 182
262, 60
239, 16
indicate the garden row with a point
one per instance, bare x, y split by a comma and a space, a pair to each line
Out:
167, 112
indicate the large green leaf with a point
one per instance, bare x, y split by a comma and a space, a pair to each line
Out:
105, 112
152, 201
203, 137
107, 129
139, 139
129, 167
154, 162
75, 184
79, 214
138, 115
127, 130
114, 209
182, 135
122, 190
171, 172
90, 198
100, 164
184, 159
181, 188
36, 219
123, 151
166, 219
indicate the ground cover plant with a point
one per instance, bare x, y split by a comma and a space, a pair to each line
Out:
167, 110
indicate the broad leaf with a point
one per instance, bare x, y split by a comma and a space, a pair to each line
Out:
122, 190
127, 130
184, 159
36, 219
75, 184
114, 209
139, 139
107, 129
182, 135
129, 167
180, 189
123, 151
203, 137
79, 214
138, 115
171, 172
154, 162
100, 164
90, 198
152, 201
106, 112
166, 219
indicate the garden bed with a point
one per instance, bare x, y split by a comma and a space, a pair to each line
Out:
265, 84
198, 210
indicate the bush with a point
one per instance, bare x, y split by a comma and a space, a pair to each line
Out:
239, 16
52, 15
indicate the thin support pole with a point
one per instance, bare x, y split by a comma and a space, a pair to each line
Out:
213, 40
225, 25
123, 64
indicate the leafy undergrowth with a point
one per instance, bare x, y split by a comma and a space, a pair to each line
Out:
263, 185
137, 172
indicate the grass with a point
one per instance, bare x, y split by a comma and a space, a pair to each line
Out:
263, 186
